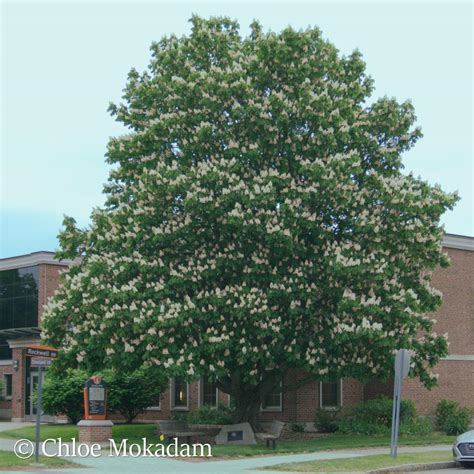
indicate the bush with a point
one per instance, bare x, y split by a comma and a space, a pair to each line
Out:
179, 416
451, 418
297, 427
207, 415
128, 393
379, 410
327, 421
131, 393
63, 394
374, 417
420, 426
353, 425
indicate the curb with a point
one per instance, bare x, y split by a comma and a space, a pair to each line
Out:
414, 467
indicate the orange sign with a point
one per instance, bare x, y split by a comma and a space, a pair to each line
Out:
95, 399
41, 351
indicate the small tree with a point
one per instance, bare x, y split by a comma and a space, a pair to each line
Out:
63, 393
131, 393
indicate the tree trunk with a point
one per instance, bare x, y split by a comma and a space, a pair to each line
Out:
248, 399
247, 409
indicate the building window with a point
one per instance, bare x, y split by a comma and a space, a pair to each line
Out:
19, 298
5, 351
274, 400
330, 394
179, 394
157, 405
209, 396
8, 386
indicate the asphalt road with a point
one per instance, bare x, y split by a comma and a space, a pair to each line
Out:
455, 470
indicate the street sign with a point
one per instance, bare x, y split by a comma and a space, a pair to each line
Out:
41, 362
41, 351
402, 367
95, 398
41, 357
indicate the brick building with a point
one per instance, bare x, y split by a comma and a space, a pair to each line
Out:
27, 281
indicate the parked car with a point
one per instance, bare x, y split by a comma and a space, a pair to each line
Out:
463, 449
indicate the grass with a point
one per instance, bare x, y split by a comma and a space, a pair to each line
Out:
330, 442
362, 464
9, 459
135, 432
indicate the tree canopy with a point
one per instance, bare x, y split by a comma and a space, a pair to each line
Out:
257, 217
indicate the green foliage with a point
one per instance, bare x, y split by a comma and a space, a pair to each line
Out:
131, 393
297, 427
379, 410
327, 421
63, 394
451, 417
179, 415
353, 425
128, 393
206, 415
374, 417
420, 426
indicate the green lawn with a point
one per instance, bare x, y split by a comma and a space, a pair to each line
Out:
363, 464
336, 441
67, 432
9, 459
136, 432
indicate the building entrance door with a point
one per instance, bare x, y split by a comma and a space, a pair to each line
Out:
31, 402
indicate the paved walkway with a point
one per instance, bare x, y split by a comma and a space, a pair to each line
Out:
143, 465
11, 425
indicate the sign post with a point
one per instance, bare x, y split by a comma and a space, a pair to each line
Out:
41, 357
95, 428
402, 367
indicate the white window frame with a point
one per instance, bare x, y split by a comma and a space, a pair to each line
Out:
5, 396
341, 403
201, 395
156, 407
172, 393
275, 409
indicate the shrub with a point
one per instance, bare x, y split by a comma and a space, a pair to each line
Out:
374, 417
327, 421
130, 393
63, 394
297, 427
354, 425
179, 416
379, 410
451, 418
208, 415
420, 426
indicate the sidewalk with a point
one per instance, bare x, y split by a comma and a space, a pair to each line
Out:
144, 465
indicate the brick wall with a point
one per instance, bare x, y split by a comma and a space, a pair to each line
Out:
456, 382
6, 405
19, 388
455, 317
48, 282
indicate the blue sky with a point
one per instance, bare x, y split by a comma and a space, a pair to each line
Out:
62, 63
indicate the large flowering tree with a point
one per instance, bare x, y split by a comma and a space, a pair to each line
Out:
257, 220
